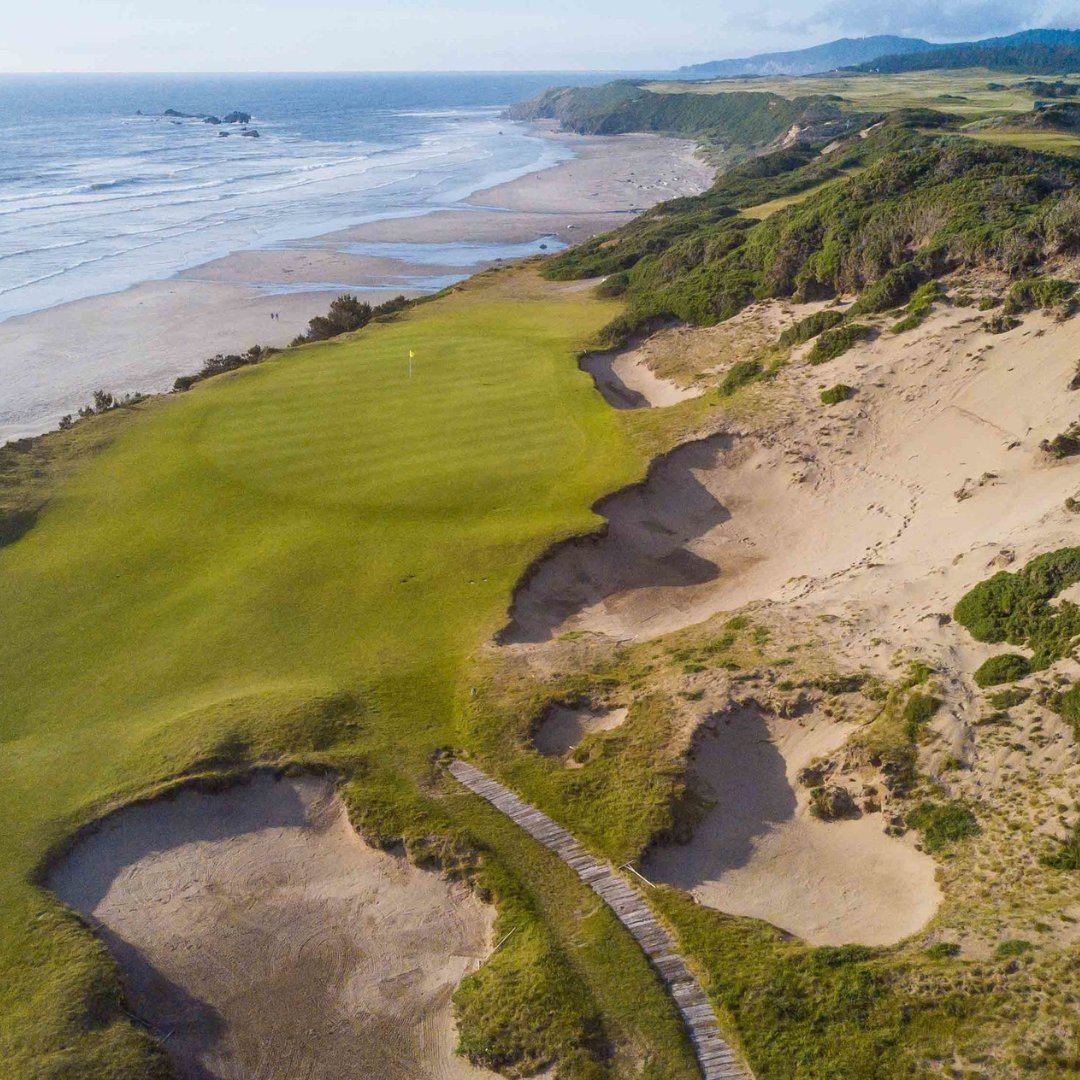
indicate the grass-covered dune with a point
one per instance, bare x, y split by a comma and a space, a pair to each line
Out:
912, 207
736, 123
295, 562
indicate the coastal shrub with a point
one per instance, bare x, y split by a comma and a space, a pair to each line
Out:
919, 306
943, 950
921, 206
613, 285
347, 314
833, 343
891, 290
1063, 445
1068, 705
811, 326
1012, 947
919, 709
1065, 855
739, 375
840, 684
219, 364
1000, 324
1008, 667
1072, 505
835, 394
1015, 607
1037, 292
1007, 699
943, 824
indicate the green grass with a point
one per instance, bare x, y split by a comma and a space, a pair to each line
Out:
907, 90
293, 562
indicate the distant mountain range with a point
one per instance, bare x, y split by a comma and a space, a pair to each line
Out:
864, 52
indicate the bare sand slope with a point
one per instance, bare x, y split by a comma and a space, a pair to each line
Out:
263, 938
759, 852
858, 502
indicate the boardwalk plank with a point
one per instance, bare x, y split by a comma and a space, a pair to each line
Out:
715, 1057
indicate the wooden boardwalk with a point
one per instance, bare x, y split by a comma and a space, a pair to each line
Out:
717, 1060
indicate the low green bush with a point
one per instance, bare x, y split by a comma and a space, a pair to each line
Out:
1016, 608
613, 285
943, 950
835, 394
1012, 947
739, 375
1066, 855
908, 322
1006, 699
1000, 324
919, 709
1066, 444
942, 824
833, 343
811, 326
1037, 292
1008, 667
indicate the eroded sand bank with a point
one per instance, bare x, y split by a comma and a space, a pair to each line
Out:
262, 938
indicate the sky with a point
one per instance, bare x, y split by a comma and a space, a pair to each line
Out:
471, 35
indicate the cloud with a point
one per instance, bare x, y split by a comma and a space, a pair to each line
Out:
957, 20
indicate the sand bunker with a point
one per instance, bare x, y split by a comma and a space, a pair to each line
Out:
561, 727
627, 382
760, 853
648, 543
260, 937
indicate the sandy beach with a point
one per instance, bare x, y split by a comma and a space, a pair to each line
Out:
51, 361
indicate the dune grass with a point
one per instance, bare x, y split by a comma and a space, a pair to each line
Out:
293, 562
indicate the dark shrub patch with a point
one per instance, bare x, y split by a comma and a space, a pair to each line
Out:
739, 375
1002, 669
833, 343
943, 950
1006, 699
1016, 607
811, 326
1037, 292
835, 394
918, 710
1012, 947
1000, 324
942, 824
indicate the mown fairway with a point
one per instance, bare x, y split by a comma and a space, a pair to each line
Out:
297, 559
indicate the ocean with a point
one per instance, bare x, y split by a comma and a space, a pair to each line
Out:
101, 190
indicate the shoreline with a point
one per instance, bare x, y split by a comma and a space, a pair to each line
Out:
143, 337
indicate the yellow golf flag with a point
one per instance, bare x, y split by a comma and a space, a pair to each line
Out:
411, 354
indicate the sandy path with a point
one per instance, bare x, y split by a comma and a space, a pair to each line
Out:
265, 939
760, 853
